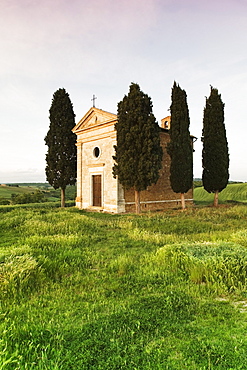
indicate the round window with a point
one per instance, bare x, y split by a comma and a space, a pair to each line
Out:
96, 152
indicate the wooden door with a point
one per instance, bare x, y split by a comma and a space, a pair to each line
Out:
97, 190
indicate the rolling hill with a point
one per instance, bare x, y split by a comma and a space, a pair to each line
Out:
232, 193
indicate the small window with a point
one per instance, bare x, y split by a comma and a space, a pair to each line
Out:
96, 152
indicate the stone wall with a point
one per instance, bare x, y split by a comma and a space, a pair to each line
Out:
97, 165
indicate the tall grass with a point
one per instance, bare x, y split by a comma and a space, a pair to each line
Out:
95, 291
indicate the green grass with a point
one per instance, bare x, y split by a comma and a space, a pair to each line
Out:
232, 193
97, 291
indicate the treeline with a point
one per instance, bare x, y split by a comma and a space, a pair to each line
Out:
138, 153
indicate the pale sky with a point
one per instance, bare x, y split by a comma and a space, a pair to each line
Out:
101, 46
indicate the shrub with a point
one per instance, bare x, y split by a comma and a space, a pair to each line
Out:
36, 197
4, 202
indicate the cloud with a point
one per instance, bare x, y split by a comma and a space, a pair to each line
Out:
22, 175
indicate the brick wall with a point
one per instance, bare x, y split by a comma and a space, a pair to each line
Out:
160, 195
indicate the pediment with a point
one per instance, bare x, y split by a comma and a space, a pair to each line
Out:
94, 117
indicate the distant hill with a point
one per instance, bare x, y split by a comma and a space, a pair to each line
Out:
234, 192
31, 184
6, 191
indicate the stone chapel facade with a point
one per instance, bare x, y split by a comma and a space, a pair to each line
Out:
96, 187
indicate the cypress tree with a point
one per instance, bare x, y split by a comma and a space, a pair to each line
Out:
61, 156
180, 146
215, 156
138, 152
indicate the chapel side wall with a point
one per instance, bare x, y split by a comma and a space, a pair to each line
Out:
160, 195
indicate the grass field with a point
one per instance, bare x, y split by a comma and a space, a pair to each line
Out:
232, 193
97, 291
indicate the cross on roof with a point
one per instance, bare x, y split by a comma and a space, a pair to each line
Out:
94, 98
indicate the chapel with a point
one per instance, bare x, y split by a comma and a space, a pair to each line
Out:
96, 187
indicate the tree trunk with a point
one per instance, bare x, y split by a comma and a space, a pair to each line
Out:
63, 197
137, 201
182, 201
216, 198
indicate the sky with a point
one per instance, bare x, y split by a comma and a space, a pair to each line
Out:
99, 47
